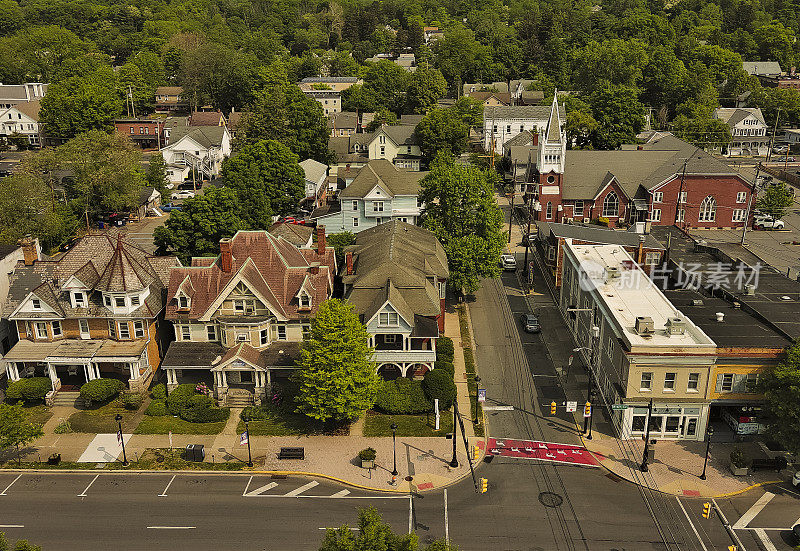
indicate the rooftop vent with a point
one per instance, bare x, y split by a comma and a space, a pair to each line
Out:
697, 302
612, 272
749, 289
786, 297
644, 325
720, 316
675, 326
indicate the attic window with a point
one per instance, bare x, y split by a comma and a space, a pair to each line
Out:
183, 302
135, 300
79, 301
119, 302
36, 303
305, 300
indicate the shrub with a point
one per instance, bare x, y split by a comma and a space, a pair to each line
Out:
159, 392
367, 454
179, 397
201, 409
29, 390
441, 365
101, 390
738, 459
132, 400
444, 349
63, 427
439, 384
254, 413
157, 408
402, 396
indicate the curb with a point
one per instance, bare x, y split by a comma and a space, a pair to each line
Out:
730, 494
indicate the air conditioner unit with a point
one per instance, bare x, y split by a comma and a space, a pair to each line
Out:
587, 220
644, 325
675, 326
749, 289
241, 337
697, 302
612, 272
568, 220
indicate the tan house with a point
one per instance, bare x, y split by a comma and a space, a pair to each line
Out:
170, 98
398, 145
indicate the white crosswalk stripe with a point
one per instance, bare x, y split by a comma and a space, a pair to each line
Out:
301, 489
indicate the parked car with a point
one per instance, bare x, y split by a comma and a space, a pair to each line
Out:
293, 220
796, 479
189, 185
182, 194
767, 222
780, 149
169, 207
796, 533
508, 262
530, 323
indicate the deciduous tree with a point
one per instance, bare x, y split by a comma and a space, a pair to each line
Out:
426, 87
781, 387
776, 200
15, 429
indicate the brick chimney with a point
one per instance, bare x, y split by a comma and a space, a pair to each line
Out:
29, 252
313, 269
640, 252
348, 258
535, 138
225, 255
321, 241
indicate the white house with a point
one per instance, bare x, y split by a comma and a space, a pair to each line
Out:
501, 123
12, 94
748, 130
397, 144
22, 119
202, 147
316, 175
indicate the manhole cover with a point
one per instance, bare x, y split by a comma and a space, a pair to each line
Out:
549, 499
409, 478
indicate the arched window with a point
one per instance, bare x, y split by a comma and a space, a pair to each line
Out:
611, 205
708, 209
549, 213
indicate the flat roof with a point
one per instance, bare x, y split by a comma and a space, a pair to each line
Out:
630, 295
596, 234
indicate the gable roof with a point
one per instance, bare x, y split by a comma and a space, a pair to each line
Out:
762, 67
483, 95
207, 118
296, 234
344, 119
206, 136
535, 112
381, 172
169, 90
29, 109
733, 116
401, 134
314, 170
329, 79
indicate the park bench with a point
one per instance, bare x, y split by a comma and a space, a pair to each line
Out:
292, 453
776, 464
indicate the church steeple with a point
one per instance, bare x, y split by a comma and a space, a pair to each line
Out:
553, 143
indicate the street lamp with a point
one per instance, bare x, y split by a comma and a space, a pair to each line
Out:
246, 420
477, 381
645, 455
394, 448
591, 401
709, 433
118, 419
454, 461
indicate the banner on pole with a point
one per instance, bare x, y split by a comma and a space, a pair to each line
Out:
481, 394
245, 439
436, 409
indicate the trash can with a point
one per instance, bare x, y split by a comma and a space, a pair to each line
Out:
195, 452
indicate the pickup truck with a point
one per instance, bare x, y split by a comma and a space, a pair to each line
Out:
767, 222
169, 207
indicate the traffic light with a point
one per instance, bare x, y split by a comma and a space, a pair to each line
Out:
476, 452
483, 485
731, 548
552, 408
706, 509
587, 409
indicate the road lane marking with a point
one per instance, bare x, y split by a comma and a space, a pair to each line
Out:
247, 487
691, 524
301, 489
83, 494
164, 493
446, 523
762, 535
258, 491
12, 526
410, 514
171, 527
498, 408
337, 528
12, 483
341, 493
753, 511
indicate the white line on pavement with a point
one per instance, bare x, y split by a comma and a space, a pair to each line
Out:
12, 483
83, 494
164, 493
12, 526
355, 529
258, 491
753, 511
446, 523
171, 527
498, 408
410, 514
691, 524
762, 535
247, 487
341, 493
297, 491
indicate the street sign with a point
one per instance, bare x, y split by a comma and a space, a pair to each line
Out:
481, 394
619, 406
572, 406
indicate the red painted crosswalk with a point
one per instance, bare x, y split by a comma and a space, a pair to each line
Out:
543, 451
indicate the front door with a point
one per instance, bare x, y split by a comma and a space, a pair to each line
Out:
246, 376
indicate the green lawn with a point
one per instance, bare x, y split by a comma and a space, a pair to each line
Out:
38, 414
378, 424
166, 423
100, 419
282, 421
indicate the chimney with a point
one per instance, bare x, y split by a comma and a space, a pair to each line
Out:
225, 255
313, 269
348, 257
640, 252
535, 138
29, 252
321, 242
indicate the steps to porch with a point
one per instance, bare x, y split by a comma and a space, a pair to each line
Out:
238, 397
67, 398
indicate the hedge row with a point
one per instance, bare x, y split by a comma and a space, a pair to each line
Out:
186, 403
157, 408
101, 390
402, 397
29, 390
439, 384
445, 350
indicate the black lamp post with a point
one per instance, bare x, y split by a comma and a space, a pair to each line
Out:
394, 448
645, 455
477, 384
118, 419
247, 432
709, 433
591, 411
454, 462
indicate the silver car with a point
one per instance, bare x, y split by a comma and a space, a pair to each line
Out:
508, 262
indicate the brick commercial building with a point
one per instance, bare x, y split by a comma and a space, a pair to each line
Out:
146, 133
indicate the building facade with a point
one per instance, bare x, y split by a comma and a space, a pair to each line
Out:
748, 131
146, 133
502, 123
22, 119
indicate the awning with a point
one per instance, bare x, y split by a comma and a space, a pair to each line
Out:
29, 351
124, 351
192, 355
77, 351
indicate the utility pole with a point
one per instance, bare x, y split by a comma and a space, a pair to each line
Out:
647, 437
527, 237
774, 132
749, 202
511, 214
680, 193
133, 107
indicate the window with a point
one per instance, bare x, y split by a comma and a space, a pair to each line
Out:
138, 329
708, 209
355, 205
508, 128
132, 130
41, 330
377, 206
264, 334
382, 139
379, 220
306, 328
186, 334
390, 339
389, 318
124, 330
682, 198
79, 300
738, 215
57, 329
751, 383
658, 196
727, 382
305, 301
647, 381
694, 382
549, 211
281, 332
494, 128
183, 302
681, 215
655, 215
355, 222
112, 329
238, 306
383, 151
669, 382
83, 325
652, 258
522, 128
741, 197
141, 130
611, 205
119, 302
577, 208
36, 303
135, 300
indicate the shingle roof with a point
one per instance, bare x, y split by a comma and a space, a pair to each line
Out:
29, 108
329, 79
536, 112
381, 172
169, 90
733, 116
344, 119
481, 96
411, 120
206, 118
762, 67
314, 170
296, 234
401, 134
207, 136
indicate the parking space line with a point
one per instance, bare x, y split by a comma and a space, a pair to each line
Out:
83, 494
410, 514
341, 493
12, 526
164, 493
751, 513
258, 491
171, 527
446, 523
301, 489
762, 535
12, 483
696, 533
248, 486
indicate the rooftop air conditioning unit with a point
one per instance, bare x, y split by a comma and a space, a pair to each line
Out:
612, 272
587, 220
749, 289
644, 325
241, 337
697, 302
675, 326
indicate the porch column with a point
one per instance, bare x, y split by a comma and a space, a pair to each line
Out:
406, 343
56, 382
269, 381
224, 378
134, 369
13, 371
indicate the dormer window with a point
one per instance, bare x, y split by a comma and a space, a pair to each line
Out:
389, 318
183, 302
107, 300
305, 300
36, 304
135, 300
78, 299
119, 302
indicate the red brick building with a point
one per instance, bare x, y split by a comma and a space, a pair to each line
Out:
147, 133
665, 181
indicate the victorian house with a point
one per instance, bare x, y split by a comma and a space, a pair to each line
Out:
239, 317
94, 312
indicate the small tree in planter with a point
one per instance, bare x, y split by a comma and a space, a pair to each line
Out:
738, 462
367, 457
